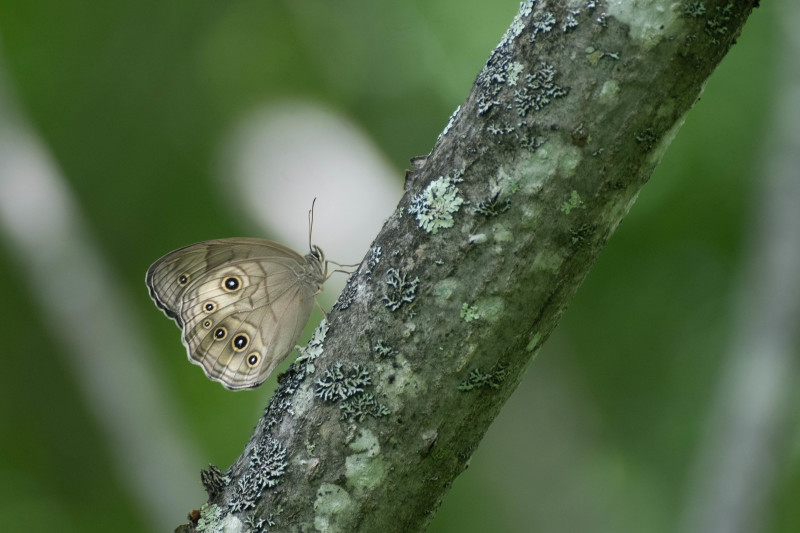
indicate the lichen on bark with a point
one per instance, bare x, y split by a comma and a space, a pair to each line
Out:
533, 173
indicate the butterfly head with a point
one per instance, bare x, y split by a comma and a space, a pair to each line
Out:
316, 252
316, 266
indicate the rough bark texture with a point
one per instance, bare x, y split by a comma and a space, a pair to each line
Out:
498, 227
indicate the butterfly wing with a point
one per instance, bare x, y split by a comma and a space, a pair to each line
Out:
241, 304
239, 338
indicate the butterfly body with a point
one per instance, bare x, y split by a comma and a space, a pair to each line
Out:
241, 303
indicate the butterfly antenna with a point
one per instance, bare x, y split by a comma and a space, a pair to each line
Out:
311, 221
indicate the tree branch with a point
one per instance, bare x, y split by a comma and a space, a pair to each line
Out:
498, 227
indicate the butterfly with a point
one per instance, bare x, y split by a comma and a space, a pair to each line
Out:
241, 303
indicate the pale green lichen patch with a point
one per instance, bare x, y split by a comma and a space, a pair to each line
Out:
364, 472
302, 401
310, 447
553, 159
364, 469
469, 312
569, 160
608, 92
536, 168
210, 519
490, 308
434, 207
232, 524
506, 183
313, 348
445, 288
547, 261
405, 380
213, 521
501, 233
574, 202
332, 509
366, 442
649, 21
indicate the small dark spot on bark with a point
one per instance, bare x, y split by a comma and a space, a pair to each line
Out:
579, 136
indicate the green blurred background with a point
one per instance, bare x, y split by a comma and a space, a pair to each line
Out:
133, 102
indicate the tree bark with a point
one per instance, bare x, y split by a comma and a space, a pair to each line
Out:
497, 229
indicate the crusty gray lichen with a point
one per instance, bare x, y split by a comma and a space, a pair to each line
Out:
497, 201
214, 481
361, 405
541, 22
479, 379
267, 465
256, 525
338, 384
382, 350
539, 90
400, 289
449, 125
347, 295
373, 259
